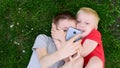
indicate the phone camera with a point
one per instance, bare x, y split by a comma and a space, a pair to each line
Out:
74, 32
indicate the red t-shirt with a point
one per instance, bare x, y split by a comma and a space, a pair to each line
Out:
98, 51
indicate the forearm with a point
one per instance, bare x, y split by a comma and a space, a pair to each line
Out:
87, 49
83, 51
49, 60
64, 66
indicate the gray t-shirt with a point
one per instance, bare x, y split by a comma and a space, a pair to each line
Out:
43, 41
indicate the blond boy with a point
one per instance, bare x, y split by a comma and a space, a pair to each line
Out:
92, 48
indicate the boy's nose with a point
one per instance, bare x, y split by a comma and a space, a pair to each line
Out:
80, 25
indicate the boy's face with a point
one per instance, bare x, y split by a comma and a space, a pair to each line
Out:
86, 22
65, 24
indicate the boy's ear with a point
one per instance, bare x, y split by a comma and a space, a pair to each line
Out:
53, 25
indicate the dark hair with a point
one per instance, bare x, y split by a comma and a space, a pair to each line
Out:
62, 16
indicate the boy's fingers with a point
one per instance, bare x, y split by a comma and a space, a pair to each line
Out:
78, 42
60, 29
75, 37
77, 55
53, 27
70, 58
78, 52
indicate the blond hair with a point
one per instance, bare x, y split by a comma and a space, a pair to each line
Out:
89, 11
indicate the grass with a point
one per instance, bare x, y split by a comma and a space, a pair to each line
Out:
22, 20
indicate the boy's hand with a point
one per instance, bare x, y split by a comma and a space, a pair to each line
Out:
58, 34
69, 47
73, 57
73, 61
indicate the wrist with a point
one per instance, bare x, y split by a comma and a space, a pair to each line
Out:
60, 54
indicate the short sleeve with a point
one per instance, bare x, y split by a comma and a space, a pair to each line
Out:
34, 61
95, 35
41, 41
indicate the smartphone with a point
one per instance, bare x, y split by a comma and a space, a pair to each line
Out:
71, 32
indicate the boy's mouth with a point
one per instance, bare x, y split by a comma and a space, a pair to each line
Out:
81, 30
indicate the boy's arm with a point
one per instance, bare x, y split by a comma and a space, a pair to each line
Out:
45, 59
87, 47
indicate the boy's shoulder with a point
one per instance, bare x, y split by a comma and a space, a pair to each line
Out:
95, 36
42, 35
95, 32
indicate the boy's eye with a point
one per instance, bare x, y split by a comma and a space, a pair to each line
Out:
65, 30
86, 23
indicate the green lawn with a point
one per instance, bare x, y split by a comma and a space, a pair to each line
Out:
22, 20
